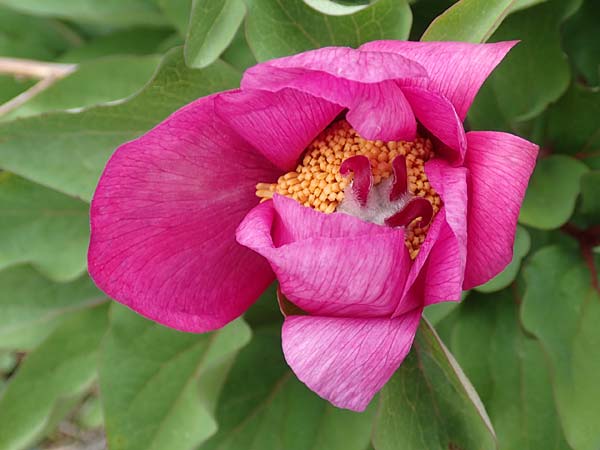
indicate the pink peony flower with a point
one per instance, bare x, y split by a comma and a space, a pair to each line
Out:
374, 203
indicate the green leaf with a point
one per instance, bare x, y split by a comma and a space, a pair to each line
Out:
159, 386
11, 87
178, 13
509, 370
468, 21
105, 12
572, 126
42, 227
23, 36
29, 301
562, 309
67, 151
61, 369
590, 200
238, 54
581, 43
508, 275
213, 26
134, 41
552, 193
94, 82
264, 407
275, 28
536, 71
429, 403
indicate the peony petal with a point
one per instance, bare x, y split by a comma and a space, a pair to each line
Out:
341, 62
163, 222
448, 256
442, 257
279, 124
329, 264
500, 165
347, 360
456, 69
363, 82
438, 115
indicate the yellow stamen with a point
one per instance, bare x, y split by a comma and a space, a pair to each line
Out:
317, 182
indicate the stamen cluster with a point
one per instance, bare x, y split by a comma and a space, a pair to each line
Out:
318, 183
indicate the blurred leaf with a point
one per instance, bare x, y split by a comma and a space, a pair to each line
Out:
580, 36
213, 25
424, 12
274, 28
429, 403
265, 311
552, 193
509, 371
42, 227
468, 21
177, 12
573, 127
89, 415
590, 198
59, 370
94, 82
67, 151
535, 72
8, 362
337, 7
264, 407
561, 308
523, 4
508, 275
238, 54
438, 311
29, 301
23, 36
11, 87
133, 41
159, 386
104, 12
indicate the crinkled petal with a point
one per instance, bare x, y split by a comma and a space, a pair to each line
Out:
341, 62
443, 254
347, 360
456, 69
329, 264
449, 254
363, 82
500, 165
438, 115
278, 124
163, 222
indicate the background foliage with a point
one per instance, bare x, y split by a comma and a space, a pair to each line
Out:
75, 367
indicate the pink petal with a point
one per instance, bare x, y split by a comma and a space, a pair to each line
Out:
456, 69
438, 115
363, 82
500, 165
329, 264
163, 222
347, 360
341, 62
442, 257
279, 124
449, 254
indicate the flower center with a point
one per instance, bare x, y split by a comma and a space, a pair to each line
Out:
343, 172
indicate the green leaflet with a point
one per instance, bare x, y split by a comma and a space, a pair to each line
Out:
160, 385
77, 146
275, 28
440, 411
